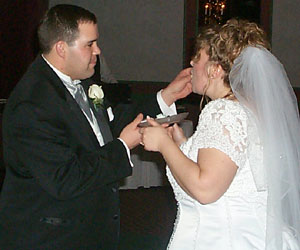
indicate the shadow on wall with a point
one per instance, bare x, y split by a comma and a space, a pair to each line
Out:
2, 169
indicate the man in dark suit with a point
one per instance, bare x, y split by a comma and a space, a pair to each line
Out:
63, 163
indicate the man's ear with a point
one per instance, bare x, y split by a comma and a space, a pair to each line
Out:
60, 48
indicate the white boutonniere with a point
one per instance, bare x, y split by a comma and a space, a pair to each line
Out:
96, 94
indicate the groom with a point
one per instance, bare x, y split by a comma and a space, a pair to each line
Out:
63, 162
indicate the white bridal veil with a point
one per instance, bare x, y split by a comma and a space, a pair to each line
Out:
261, 85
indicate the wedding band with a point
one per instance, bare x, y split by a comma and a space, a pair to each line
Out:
142, 143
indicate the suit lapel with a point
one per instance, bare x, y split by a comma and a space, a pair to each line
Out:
78, 116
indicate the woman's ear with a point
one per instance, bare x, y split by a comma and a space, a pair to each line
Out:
215, 71
211, 71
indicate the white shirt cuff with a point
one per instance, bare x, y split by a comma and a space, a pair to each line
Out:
165, 109
128, 151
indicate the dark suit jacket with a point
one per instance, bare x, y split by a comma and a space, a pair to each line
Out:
61, 187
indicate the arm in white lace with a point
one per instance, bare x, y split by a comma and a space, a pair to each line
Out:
207, 179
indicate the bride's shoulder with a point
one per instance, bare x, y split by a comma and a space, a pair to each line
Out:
223, 107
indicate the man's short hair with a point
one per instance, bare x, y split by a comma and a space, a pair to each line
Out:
60, 23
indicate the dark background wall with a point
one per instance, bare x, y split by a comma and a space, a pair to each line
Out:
18, 46
286, 36
18, 43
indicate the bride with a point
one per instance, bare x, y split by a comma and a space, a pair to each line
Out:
237, 178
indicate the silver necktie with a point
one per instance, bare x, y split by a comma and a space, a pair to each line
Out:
82, 101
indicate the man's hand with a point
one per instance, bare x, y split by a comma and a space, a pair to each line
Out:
179, 88
131, 133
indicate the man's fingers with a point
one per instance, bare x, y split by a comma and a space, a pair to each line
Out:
138, 119
186, 78
186, 71
152, 122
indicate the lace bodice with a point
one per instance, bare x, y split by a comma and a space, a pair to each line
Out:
224, 125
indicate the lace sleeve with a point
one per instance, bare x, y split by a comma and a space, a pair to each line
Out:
223, 125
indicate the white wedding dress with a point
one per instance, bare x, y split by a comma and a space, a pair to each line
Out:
236, 221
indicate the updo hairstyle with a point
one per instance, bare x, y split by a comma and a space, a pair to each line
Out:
223, 44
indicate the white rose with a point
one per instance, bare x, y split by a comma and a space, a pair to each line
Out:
96, 92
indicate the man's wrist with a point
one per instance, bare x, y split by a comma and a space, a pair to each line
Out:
165, 109
168, 98
127, 151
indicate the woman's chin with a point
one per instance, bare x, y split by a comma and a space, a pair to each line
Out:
197, 92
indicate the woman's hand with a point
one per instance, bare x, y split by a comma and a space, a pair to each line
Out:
155, 137
177, 134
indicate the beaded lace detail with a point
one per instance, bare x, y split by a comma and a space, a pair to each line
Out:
223, 125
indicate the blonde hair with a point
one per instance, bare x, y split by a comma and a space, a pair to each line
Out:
223, 44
